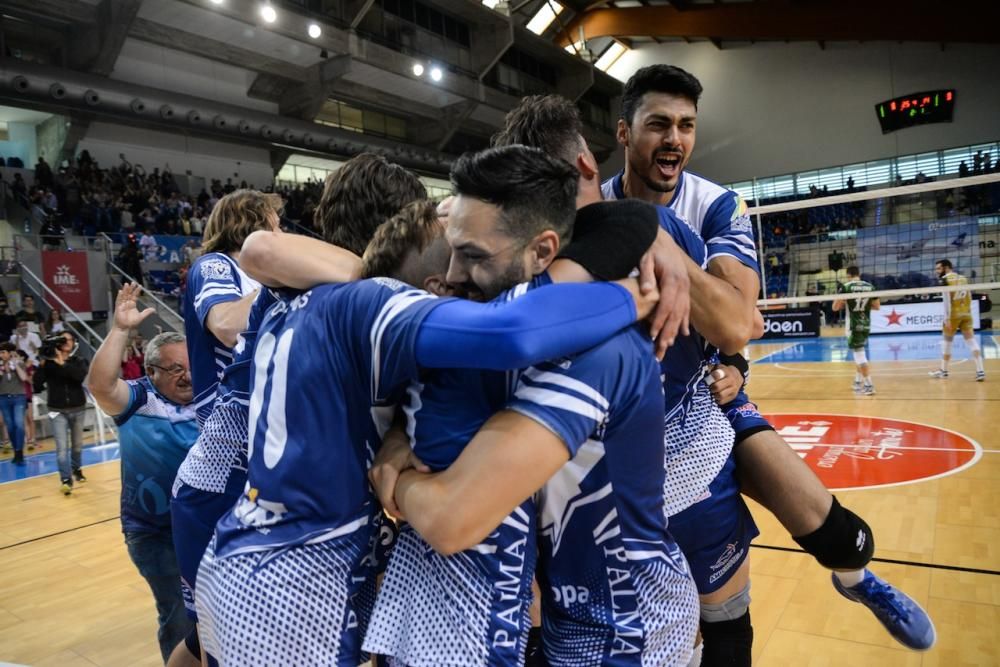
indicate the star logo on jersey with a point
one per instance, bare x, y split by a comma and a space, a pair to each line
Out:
894, 318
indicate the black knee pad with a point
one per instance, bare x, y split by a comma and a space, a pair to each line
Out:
727, 643
843, 542
193, 643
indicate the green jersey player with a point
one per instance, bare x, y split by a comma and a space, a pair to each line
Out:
859, 325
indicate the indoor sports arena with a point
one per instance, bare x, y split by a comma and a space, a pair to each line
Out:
499, 333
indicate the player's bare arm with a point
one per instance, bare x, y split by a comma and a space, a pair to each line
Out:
292, 260
227, 320
510, 458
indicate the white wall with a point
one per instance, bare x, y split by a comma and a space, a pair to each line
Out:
202, 157
775, 108
146, 64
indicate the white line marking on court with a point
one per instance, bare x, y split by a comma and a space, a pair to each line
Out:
904, 448
778, 351
849, 372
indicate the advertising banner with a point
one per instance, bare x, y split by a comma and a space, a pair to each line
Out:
791, 323
910, 317
66, 274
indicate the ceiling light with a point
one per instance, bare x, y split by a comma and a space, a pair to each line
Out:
436, 73
268, 14
315, 31
418, 69
216, 2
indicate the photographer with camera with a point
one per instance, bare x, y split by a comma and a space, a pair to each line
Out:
63, 374
13, 398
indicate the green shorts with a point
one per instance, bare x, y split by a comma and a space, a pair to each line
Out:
857, 339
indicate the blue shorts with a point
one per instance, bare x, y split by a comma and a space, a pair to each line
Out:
715, 533
744, 418
193, 514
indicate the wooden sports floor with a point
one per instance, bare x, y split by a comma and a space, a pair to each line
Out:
69, 596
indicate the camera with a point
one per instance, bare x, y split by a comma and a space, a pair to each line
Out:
51, 345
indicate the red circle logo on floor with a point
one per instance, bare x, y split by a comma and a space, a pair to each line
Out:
851, 452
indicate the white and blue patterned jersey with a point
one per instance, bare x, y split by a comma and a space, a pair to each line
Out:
213, 279
472, 607
218, 459
323, 359
718, 215
154, 435
604, 549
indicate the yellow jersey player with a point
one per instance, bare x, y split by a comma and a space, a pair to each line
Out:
957, 317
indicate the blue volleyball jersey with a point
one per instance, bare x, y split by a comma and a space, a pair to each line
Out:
478, 596
718, 215
220, 451
615, 588
469, 608
322, 360
154, 434
213, 279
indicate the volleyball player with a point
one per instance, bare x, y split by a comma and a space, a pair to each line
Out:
657, 131
289, 576
213, 474
957, 317
615, 589
859, 326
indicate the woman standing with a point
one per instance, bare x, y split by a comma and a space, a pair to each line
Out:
63, 374
12, 398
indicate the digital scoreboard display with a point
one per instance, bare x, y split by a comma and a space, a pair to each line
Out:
935, 106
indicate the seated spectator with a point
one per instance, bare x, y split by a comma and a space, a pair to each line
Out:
54, 322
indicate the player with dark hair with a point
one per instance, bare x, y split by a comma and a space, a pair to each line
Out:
957, 317
458, 584
289, 575
859, 326
657, 132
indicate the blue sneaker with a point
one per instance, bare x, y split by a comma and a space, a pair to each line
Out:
905, 620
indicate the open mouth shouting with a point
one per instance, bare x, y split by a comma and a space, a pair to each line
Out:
668, 164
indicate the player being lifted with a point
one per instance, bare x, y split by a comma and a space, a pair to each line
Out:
957, 317
859, 326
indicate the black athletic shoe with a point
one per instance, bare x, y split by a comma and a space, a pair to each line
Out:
78, 475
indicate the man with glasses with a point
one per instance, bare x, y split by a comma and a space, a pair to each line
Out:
156, 427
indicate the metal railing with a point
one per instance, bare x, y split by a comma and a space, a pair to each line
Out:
119, 276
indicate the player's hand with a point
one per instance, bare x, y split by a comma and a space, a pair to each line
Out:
645, 296
670, 273
726, 384
127, 313
392, 459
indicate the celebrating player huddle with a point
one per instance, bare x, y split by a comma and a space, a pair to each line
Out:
408, 424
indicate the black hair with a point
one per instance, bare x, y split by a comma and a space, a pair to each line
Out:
946, 263
658, 79
534, 191
549, 122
